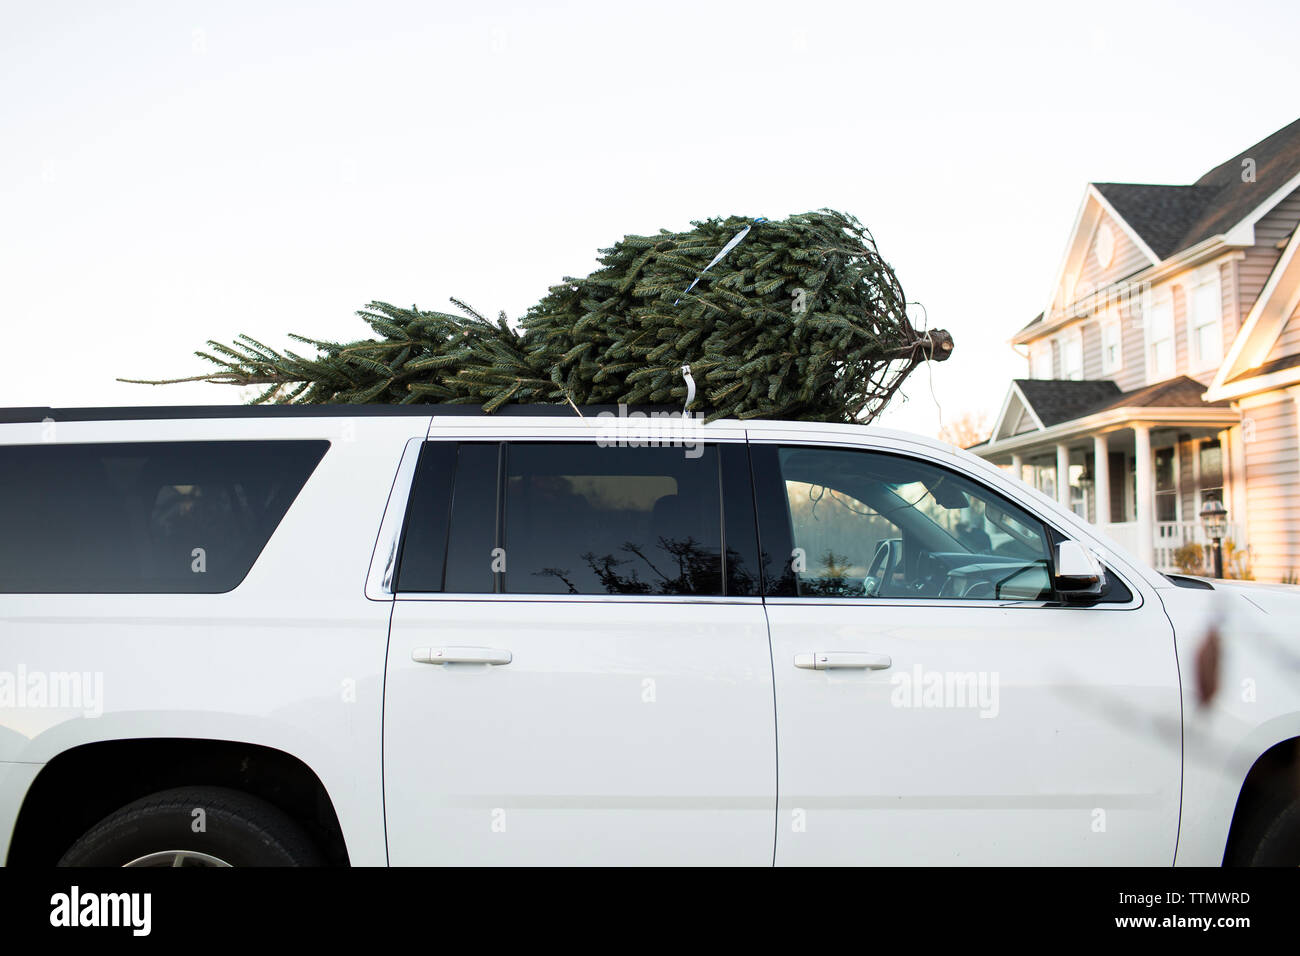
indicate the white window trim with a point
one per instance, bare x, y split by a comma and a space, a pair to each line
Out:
1204, 276
1177, 491
1067, 338
1157, 298
1039, 352
1112, 323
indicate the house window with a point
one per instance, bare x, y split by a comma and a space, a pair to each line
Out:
1160, 340
1166, 484
1040, 360
1207, 325
1072, 355
1078, 493
1043, 477
1112, 346
1210, 455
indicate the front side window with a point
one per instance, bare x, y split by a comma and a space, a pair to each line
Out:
866, 524
143, 517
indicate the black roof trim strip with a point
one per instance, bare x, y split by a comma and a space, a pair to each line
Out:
137, 413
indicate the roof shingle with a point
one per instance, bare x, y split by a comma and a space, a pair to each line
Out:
1172, 218
1058, 400
1055, 400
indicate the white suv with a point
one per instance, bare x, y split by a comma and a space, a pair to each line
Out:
424, 635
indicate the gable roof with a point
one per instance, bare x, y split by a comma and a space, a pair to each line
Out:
1164, 220
1268, 368
1161, 215
1032, 322
1247, 367
1180, 392
1058, 400
1068, 406
1173, 218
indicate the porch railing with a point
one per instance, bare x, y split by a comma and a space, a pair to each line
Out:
1169, 536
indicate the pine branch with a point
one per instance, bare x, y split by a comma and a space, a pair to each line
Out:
622, 333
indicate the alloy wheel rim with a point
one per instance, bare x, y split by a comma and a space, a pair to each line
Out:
176, 858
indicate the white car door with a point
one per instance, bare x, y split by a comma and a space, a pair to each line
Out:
943, 706
575, 684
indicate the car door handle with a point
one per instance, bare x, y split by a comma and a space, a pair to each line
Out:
845, 660
460, 655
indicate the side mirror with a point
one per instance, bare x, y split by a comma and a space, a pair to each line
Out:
1078, 573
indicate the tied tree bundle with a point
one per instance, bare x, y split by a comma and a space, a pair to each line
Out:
802, 319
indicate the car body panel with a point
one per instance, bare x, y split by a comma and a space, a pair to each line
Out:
292, 659
295, 659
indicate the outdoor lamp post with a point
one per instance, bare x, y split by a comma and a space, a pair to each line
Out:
1215, 519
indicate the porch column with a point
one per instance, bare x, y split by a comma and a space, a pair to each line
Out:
1018, 467
1101, 479
1063, 475
1145, 501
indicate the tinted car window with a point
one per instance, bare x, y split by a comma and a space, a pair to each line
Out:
586, 519
144, 517
471, 566
428, 515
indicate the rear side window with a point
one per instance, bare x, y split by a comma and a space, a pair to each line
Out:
579, 518
586, 519
146, 517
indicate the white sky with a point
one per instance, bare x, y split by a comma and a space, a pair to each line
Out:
174, 172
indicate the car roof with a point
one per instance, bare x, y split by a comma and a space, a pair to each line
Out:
136, 413
172, 412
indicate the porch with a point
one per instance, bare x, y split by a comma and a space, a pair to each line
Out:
1146, 493
1141, 474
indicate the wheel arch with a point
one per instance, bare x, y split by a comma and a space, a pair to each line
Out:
82, 785
1276, 768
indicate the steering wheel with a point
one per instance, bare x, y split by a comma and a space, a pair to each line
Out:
883, 565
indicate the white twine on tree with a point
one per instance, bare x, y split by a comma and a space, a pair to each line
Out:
925, 323
735, 241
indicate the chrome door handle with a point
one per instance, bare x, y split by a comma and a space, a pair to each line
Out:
460, 655
842, 660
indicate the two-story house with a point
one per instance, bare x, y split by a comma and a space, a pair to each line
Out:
1165, 368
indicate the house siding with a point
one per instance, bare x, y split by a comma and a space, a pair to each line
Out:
1024, 423
1273, 488
1126, 260
1288, 342
1133, 374
1182, 361
1092, 350
1259, 259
